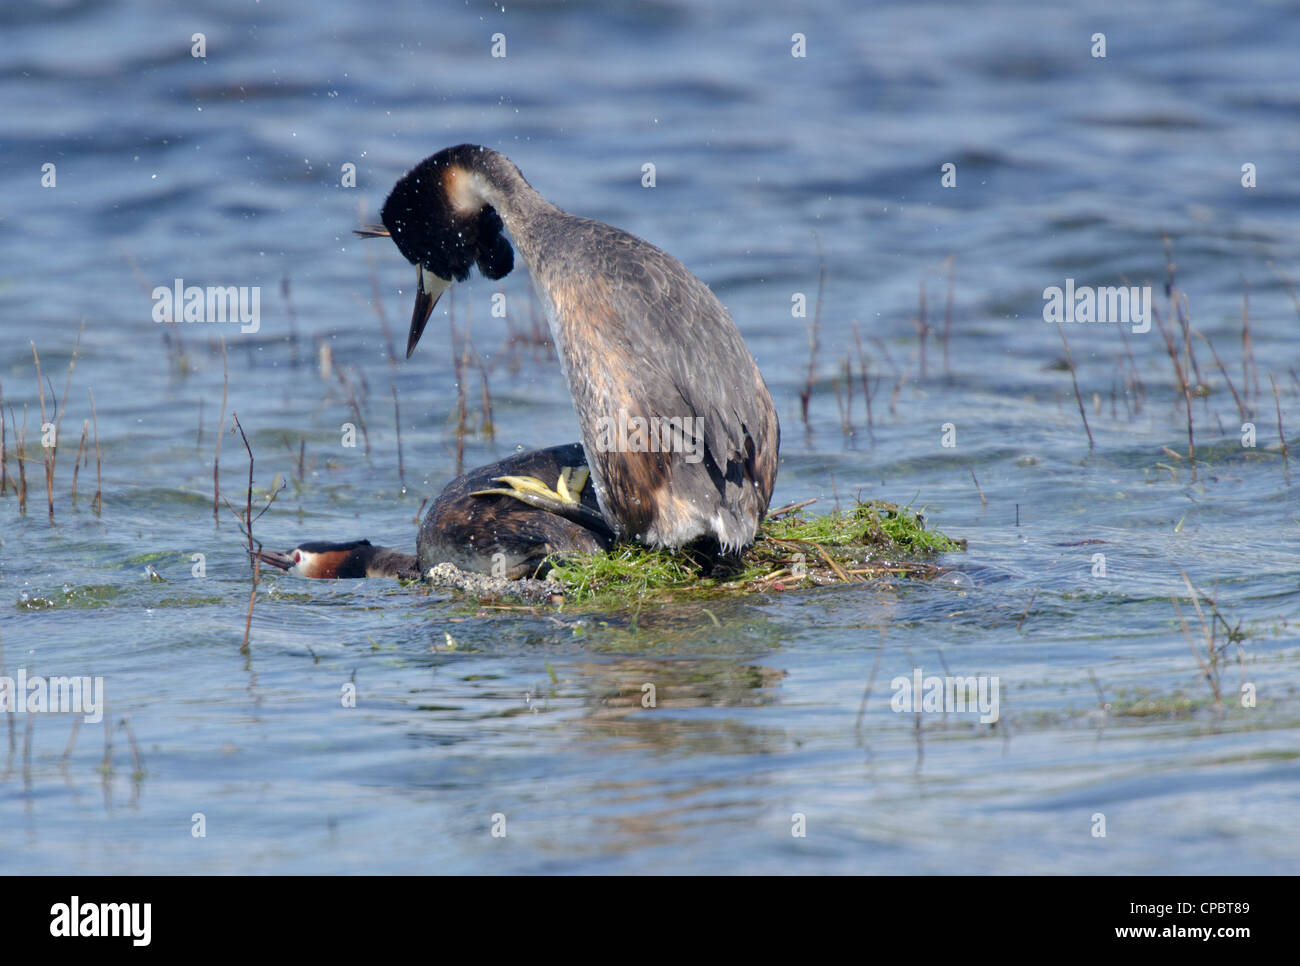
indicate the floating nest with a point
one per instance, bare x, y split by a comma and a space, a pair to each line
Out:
870, 542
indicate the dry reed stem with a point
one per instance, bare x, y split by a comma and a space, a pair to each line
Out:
1069, 359
98, 502
216, 454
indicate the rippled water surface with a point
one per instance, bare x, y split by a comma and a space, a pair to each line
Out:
773, 713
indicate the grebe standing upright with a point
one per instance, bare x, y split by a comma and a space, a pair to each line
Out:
642, 343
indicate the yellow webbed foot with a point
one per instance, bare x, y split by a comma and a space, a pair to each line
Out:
531, 490
572, 480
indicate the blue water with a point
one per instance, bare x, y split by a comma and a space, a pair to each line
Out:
227, 170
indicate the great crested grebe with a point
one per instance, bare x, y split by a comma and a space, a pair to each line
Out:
479, 526
678, 428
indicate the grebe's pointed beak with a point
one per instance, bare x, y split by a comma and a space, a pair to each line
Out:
428, 289
281, 561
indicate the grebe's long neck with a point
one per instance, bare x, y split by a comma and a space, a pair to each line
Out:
487, 177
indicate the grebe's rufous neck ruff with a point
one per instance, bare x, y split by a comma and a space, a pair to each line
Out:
642, 343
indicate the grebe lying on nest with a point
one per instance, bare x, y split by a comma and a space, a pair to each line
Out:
479, 526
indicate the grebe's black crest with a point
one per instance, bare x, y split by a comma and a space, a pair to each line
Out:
326, 546
432, 226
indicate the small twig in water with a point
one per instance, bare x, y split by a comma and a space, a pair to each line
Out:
789, 508
397, 421
47, 458
98, 501
216, 454
983, 501
1281, 432
814, 334
1069, 360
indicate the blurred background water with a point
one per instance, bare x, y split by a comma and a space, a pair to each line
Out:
774, 175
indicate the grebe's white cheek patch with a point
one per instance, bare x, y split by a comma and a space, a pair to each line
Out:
431, 284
